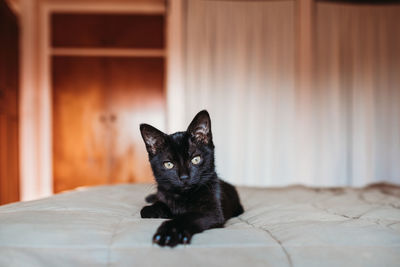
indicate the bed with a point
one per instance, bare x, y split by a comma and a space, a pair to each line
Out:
289, 226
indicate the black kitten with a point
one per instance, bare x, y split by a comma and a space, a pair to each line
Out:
189, 191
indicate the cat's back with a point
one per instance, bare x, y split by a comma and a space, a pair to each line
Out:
230, 200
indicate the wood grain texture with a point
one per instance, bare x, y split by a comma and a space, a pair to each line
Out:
98, 104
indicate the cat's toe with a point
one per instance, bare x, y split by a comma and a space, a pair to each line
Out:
171, 240
156, 238
186, 239
159, 239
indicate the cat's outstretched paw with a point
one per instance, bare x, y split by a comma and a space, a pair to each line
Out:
154, 212
171, 234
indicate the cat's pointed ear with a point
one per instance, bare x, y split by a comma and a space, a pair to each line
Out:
200, 128
153, 138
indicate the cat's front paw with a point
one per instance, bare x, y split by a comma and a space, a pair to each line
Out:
171, 234
153, 212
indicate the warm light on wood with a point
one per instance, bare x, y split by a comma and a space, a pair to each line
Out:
107, 52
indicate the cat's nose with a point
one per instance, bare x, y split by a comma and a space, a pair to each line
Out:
184, 177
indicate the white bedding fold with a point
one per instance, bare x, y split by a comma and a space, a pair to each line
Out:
290, 226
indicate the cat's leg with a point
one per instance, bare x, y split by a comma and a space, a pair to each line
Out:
181, 229
156, 210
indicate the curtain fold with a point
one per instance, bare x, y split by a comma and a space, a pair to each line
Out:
358, 76
240, 65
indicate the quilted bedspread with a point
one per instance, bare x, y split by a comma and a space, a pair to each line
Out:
290, 226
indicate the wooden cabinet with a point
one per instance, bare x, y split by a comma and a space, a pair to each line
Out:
99, 102
9, 174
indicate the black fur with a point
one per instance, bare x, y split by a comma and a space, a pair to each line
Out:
190, 195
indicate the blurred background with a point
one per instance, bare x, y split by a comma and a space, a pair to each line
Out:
299, 91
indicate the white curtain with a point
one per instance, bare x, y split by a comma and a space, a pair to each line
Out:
357, 92
240, 65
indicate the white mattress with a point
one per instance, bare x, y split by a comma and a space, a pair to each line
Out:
293, 226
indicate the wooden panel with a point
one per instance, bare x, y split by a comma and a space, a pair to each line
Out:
3, 160
12, 160
107, 30
134, 95
80, 140
9, 173
98, 104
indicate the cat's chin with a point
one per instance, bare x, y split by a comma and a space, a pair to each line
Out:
178, 188
185, 188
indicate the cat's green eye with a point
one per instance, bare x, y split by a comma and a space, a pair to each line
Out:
196, 160
168, 165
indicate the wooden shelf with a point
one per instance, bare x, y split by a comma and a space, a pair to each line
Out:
108, 52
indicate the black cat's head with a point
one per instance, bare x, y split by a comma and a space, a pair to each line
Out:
182, 160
